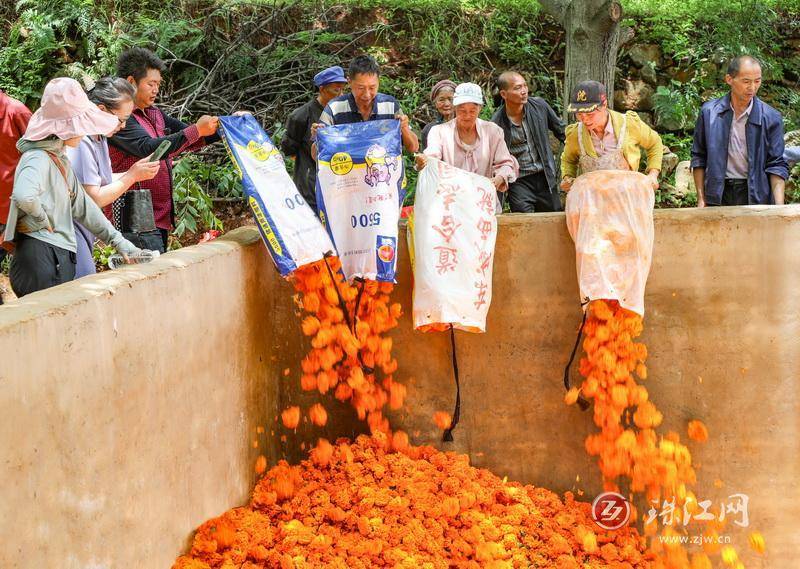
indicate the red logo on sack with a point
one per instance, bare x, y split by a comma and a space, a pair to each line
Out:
386, 253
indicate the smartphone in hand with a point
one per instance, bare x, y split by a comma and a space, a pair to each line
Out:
160, 151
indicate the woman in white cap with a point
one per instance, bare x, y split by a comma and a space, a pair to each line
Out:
47, 196
470, 143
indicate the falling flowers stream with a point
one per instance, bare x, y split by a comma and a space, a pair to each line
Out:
379, 501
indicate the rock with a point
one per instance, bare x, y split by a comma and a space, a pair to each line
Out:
634, 96
792, 138
668, 163
684, 183
642, 54
648, 74
680, 75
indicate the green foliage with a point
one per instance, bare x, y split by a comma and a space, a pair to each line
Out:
679, 144
101, 253
5, 265
193, 206
676, 106
268, 68
665, 198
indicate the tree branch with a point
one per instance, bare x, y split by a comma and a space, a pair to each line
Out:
626, 34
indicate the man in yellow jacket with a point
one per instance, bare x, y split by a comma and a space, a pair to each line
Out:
603, 139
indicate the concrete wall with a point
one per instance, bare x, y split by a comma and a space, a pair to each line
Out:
132, 399
130, 402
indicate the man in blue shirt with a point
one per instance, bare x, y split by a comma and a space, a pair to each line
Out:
737, 153
364, 103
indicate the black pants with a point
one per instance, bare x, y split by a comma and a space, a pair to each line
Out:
531, 194
735, 192
37, 265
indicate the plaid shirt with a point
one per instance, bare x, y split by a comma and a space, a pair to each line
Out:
143, 133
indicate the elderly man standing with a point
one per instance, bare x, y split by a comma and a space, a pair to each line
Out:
525, 121
365, 103
297, 142
603, 139
737, 153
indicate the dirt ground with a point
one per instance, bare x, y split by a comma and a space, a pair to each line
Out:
233, 215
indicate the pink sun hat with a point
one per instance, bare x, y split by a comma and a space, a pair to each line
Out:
67, 112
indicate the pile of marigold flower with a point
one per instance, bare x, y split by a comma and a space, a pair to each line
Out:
628, 444
373, 503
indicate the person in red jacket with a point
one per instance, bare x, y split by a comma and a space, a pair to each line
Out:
14, 117
146, 128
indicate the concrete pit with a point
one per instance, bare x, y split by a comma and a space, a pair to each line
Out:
132, 399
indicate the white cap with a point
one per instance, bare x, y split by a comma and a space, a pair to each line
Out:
468, 93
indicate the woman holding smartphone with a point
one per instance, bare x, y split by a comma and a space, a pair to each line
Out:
92, 164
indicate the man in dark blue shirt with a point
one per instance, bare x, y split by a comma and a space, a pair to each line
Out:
365, 103
737, 153
297, 141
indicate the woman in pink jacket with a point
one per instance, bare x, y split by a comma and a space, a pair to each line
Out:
470, 143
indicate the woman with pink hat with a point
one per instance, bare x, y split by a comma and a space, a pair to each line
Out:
47, 196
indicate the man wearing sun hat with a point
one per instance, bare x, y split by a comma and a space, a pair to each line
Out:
296, 143
47, 195
603, 139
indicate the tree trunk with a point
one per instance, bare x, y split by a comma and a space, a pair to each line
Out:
593, 39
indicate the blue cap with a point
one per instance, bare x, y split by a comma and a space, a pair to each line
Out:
333, 74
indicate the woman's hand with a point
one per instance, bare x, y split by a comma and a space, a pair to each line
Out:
566, 183
420, 160
500, 183
144, 170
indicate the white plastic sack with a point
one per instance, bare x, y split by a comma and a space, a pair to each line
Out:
360, 186
610, 219
452, 235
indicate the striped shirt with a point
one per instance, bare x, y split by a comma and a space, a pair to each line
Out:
523, 151
343, 110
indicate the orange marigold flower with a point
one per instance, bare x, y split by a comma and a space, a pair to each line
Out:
697, 431
318, 415
322, 453
291, 417
756, 541
261, 464
572, 395
442, 420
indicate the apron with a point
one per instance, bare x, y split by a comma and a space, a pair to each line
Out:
614, 160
